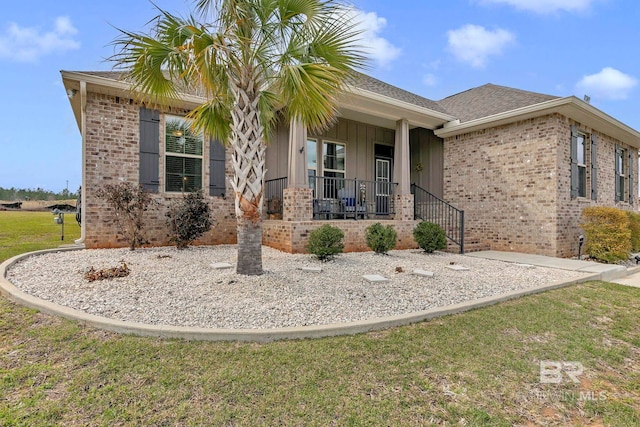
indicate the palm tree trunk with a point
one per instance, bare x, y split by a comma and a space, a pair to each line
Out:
248, 162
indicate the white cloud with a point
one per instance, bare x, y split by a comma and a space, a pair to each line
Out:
378, 48
429, 80
27, 44
608, 84
474, 44
545, 6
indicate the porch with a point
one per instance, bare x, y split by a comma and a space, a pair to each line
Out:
352, 175
337, 198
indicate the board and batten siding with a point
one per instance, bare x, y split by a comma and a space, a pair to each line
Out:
359, 139
427, 151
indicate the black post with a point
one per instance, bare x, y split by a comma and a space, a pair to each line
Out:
462, 232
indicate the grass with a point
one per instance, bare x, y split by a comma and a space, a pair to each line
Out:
22, 232
477, 368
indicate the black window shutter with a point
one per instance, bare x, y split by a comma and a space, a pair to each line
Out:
618, 186
217, 182
631, 194
149, 149
574, 162
594, 167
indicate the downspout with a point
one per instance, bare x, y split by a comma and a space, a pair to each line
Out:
83, 129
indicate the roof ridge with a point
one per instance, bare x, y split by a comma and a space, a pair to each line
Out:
515, 89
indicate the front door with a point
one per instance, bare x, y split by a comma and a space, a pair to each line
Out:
383, 184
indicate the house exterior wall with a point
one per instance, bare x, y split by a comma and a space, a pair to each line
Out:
277, 154
514, 184
359, 139
112, 156
505, 180
427, 160
569, 210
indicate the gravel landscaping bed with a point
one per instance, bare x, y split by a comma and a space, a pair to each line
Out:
181, 288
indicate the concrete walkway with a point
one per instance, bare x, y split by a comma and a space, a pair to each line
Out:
630, 280
607, 272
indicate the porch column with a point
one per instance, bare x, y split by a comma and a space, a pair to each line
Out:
297, 172
402, 173
297, 204
401, 167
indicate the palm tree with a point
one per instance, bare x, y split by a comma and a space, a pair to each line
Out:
252, 60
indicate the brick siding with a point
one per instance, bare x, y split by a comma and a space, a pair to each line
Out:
289, 236
112, 156
513, 182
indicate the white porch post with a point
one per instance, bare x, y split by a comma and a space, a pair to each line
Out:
297, 203
402, 173
297, 168
401, 167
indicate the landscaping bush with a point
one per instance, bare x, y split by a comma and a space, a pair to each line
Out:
607, 233
430, 237
634, 227
381, 239
129, 203
188, 219
326, 242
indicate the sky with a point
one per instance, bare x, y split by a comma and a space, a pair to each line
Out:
434, 48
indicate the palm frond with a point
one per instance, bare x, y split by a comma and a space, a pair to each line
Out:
213, 118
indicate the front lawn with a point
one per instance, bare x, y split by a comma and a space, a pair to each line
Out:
477, 368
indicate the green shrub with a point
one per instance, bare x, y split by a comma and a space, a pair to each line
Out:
381, 239
326, 242
634, 227
607, 233
430, 237
129, 203
188, 219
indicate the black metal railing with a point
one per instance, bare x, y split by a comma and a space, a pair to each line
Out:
340, 198
274, 192
431, 208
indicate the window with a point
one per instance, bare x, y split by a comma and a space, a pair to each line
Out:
183, 156
312, 163
620, 173
583, 153
333, 159
582, 166
333, 165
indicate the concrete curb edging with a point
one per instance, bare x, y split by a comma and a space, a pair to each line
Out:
253, 335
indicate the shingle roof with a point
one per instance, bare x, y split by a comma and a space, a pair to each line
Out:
361, 81
472, 104
490, 99
365, 82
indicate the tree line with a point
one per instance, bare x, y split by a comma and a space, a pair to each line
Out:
21, 194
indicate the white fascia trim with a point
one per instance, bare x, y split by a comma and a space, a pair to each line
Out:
399, 103
123, 86
567, 106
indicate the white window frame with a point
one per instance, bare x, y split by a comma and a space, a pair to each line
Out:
582, 189
325, 169
621, 172
167, 154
